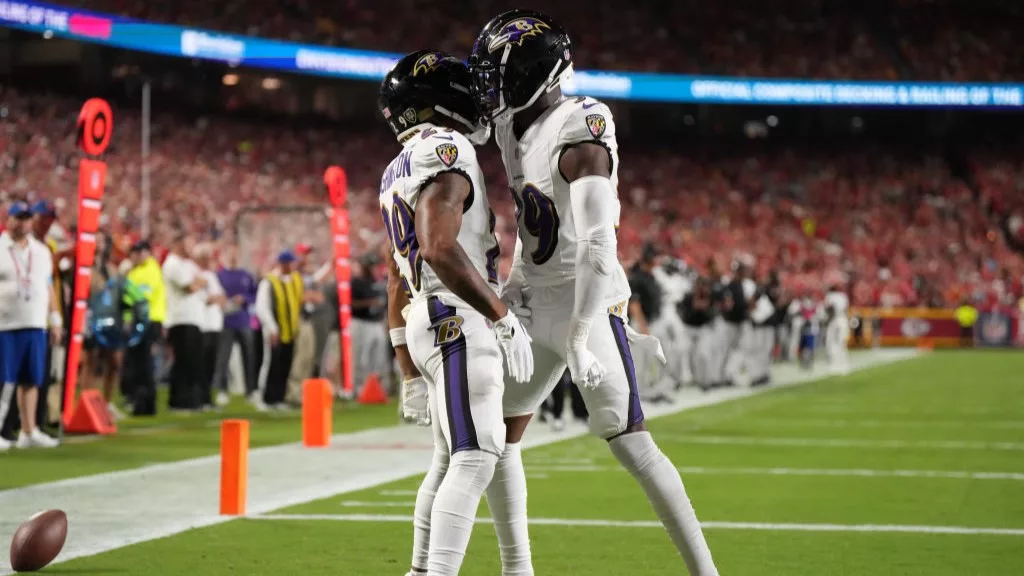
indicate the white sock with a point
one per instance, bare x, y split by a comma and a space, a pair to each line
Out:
424, 503
506, 498
6, 394
660, 480
455, 508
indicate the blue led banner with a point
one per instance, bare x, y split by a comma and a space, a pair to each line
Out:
371, 65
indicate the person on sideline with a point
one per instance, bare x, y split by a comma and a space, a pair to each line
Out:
278, 299
212, 326
28, 305
305, 355
138, 382
186, 305
240, 290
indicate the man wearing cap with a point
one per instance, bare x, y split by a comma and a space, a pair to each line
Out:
27, 306
44, 214
138, 382
305, 355
186, 305
278, 302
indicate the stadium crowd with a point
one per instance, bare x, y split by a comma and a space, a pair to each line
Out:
879, 39
902, 229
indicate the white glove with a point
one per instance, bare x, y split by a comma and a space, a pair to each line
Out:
584, 368
415, 407
515, 343
515, 300
645, 342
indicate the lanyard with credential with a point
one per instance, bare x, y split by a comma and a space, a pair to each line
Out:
24, 283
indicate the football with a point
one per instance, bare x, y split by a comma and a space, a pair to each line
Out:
39, 540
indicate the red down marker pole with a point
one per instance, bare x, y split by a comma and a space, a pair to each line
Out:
337, 186
95, 125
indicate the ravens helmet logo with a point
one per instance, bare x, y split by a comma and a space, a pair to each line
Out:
427, 63
515, 32
596, 125
448, 153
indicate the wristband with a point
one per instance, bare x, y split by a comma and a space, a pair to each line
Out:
56, 321
397, 336
579, 332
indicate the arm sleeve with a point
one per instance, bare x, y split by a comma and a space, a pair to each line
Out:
515, 279
264, 309
595, 211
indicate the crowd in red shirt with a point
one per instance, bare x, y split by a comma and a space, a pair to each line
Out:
902, 229
876, 39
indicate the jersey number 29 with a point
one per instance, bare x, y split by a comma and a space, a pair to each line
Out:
536, 213
401, 227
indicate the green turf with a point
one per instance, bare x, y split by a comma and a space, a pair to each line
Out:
170, 437
924, 404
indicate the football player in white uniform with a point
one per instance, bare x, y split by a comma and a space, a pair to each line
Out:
447, 323
561, 158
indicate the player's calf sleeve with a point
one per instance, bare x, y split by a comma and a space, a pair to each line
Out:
660, 480
506, 498
454, 512
424, 503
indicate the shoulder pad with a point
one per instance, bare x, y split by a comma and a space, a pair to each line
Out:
439, 150
588, 120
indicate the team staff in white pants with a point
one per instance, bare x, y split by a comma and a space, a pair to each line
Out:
698, 315
645, 310
715, 333
762, 339
668, 327
736, 312
370, 346
837, 330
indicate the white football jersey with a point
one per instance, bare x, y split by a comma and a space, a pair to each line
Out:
427, 153
543, 206
839, 302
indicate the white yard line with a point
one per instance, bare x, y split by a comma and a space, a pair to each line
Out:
117, 509
377, 504
598, 523
835, 472
842, 442
929, 424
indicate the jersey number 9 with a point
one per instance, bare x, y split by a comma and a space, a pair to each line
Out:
536, 213
401, 227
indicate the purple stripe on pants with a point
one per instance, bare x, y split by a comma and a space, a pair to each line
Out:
635, 413
456, 383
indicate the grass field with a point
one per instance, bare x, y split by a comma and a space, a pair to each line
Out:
915, 468
171, 437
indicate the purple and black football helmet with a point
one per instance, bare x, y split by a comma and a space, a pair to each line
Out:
426, 83
518, 56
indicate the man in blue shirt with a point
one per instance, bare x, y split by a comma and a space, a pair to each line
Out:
240, 290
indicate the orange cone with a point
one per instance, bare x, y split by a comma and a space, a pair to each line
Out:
91, 416
372, 392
